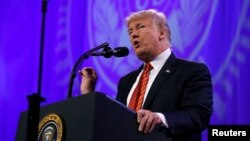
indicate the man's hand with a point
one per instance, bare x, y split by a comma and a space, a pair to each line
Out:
147, 120
89, 78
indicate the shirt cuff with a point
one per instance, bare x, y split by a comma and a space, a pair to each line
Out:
163, 119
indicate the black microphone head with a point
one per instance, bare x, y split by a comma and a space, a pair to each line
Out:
120, 51
107, 52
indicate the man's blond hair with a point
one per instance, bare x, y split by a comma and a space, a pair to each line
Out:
158, 18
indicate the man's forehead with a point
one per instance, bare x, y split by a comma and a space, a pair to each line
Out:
139, 20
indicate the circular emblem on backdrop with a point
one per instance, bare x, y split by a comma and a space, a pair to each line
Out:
50, 128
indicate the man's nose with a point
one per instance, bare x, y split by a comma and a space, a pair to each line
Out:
134, 34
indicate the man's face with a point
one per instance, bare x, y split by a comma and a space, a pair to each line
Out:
144, 37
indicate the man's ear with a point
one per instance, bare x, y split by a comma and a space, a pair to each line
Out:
163, 34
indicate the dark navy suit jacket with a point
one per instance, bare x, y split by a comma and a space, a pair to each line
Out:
182, 91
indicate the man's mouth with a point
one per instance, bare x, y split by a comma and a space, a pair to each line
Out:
136, 44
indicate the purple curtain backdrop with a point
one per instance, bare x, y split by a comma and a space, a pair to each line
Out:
210, 31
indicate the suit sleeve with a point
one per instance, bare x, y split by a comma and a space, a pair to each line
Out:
196, 103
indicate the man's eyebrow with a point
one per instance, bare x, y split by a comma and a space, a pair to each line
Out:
136, 26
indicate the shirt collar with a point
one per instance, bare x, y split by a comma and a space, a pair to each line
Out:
159, 61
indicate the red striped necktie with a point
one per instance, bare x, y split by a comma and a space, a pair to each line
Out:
139, 92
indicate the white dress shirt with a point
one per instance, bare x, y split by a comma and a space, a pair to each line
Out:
157, 64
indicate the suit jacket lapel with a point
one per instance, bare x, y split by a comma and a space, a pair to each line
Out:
166, 71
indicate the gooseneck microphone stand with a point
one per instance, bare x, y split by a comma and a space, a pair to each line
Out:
35, 99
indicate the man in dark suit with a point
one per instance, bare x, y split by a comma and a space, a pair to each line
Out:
172, 92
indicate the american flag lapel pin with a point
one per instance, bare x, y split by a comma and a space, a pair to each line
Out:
167, 70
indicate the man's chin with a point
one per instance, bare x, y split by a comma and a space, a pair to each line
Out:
144, 56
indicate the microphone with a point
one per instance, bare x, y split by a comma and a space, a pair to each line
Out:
108, 52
